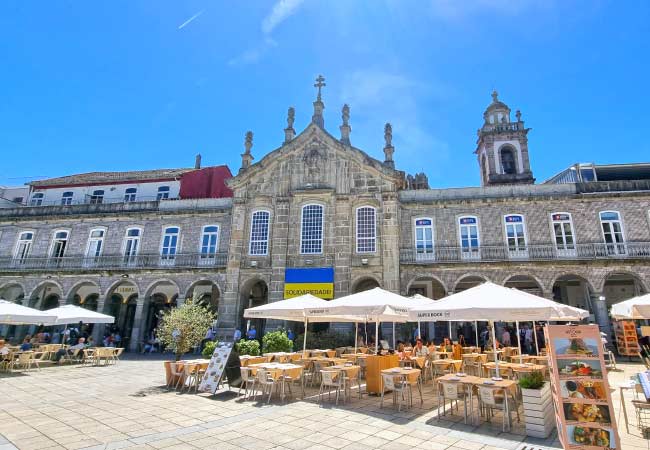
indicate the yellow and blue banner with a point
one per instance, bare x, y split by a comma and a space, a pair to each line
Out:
318, 282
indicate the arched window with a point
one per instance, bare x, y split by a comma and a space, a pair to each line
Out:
95, 243
259, 238
59, 244
311, 230
612, 227
424, 239
131, 245
97, 197
23, 246
163, 193
129, 194
516, 235
366, 230
508, 161
169, 244
563, 234
469, 237
66, 198
37, 199
209, 243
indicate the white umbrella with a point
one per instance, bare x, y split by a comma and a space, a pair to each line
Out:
74, 314
15, 314
634, 308
491, 302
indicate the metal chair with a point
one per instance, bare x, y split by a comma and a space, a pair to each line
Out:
352, 376
398, 386
26, 361
177, 374
454, 392
266, 381
491, 398
331, 379
247, 379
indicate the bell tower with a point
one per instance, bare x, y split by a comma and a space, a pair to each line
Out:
502, 147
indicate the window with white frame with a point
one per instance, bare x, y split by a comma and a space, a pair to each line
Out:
209, 242
163, 193
129, 194
424, 238
259, 241
66, 198
366, 230
97, 197
169, 246
37, 199
563, 234
23, 246
468, 236
132, 244
515, 235
311, 229
95, 244
59, 244
612, 227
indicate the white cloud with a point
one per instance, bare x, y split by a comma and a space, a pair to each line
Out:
281, 10
279, 13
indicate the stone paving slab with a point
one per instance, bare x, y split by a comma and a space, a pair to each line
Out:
126, 406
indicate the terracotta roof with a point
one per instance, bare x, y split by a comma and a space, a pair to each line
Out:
111, 177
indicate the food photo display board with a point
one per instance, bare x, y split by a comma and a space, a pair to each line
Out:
583, 404
210, 381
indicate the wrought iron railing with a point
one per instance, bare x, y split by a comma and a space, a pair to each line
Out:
536, 252
114, 262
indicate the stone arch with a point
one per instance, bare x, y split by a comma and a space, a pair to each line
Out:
114, 285
121, 301
205, 291
160, 296
433, 286
46, 295
254, 292
525, 282
40, 285
508, 159
13, 291
599, 284
469, 280
149, 290
573, 289
621, 285
80, 290
364, 283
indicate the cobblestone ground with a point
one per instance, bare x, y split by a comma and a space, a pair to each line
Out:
127, 406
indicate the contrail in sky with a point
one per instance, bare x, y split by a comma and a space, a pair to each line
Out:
188, 21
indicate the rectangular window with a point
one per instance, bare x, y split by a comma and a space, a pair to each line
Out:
95, 246
612, 227
169, 246
259, 242
59, 245
469, 238
131, 245
311, 233
129, 194
209, 244
366, 230
97, 197
37, 199
163, 193
66, 198
516, 236
23, 247
423, 239
563, 234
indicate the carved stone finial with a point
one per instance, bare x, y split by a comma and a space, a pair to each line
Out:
317, 118
289, 132
518, 116
388, 147
495, 96
246, 157
345, 127
320, 83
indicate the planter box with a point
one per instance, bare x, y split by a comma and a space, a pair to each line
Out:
539, 414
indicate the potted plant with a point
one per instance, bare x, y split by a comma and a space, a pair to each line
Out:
538, 404
245, 347
276, 341
183, 328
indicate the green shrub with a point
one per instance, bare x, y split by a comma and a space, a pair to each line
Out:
276, 341
183, 328
325, 339
533, 380
208, 350
245, 347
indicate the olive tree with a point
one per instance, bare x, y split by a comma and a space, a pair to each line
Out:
184, 327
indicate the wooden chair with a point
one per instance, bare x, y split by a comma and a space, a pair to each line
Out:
177, 375
351, 376
491, 398
191, 377
331, 379
115, 356
399, 387
26, 361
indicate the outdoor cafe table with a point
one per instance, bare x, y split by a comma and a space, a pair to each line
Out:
516, 358
278, 371
469, 380
439, 354
180, 365
491, 352
516, 367
245, 360
281, 357
317, 352
539, 359
444, 364
411, 360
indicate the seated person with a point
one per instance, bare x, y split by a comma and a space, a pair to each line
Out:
4, 350
26, 345
400, 351
446, 345
420, 350
70, 350
90, 342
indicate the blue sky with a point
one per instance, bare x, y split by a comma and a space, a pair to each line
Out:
132, 84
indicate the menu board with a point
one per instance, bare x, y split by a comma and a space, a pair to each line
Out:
583, 404
210, 381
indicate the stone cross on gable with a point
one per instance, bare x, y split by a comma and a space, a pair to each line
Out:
320, 83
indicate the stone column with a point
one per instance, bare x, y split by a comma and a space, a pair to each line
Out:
138, 326
599, 306
389, 241
98, 328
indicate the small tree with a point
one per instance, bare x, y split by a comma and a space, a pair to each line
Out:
184, 327
276, 341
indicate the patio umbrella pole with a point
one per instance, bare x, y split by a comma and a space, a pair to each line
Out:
476, 331
494, 348
535, 334
519, 342
304, 339
376, 337
393, 335
356, 334
449, 330
419, 332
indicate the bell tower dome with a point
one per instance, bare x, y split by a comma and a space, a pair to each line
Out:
502, 147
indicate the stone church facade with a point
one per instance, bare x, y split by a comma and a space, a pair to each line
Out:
319, 202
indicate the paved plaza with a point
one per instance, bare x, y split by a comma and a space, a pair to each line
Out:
127, 406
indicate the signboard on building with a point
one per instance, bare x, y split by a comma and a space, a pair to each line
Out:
210, 381
583, 403
318, 282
